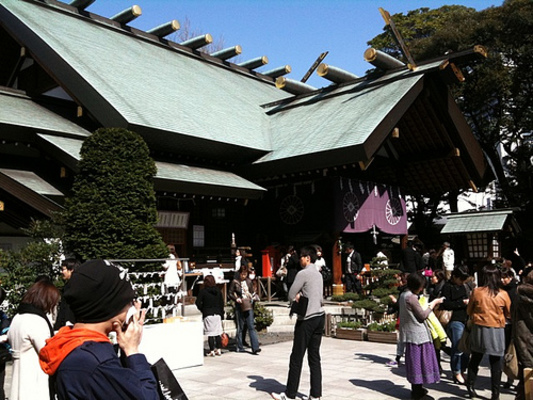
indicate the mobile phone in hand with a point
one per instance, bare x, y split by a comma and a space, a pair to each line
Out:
129, 317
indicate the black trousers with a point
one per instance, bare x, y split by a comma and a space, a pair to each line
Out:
307, 337
352, 283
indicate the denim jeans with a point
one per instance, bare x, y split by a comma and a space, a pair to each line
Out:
307, 337
246, 317
458, 360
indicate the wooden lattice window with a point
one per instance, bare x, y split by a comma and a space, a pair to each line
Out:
478, 245
198, 236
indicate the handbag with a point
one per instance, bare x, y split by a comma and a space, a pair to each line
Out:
510, 362
246, 304
282, 271
299, 307
224, 339
168, 386
444, 316
464, 343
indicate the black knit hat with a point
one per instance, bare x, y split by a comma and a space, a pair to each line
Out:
98, 290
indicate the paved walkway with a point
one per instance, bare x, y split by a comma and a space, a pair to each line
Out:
351, 370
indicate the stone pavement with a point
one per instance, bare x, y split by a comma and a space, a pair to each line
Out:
351, 370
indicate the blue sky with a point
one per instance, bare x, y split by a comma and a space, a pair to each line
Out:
292, 32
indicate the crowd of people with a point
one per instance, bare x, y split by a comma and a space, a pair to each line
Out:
75, 358
479, 319
484, 315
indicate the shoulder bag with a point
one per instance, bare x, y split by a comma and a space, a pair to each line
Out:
444, 316
464, 343
510, 362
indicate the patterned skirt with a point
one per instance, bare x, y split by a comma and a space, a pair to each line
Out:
421, 363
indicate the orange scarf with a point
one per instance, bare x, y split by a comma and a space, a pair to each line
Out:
63, 343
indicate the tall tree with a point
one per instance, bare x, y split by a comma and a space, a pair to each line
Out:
497, 97
112, 210
40, 257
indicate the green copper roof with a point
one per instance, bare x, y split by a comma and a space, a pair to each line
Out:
31, 181
221, 182
203, 176
476, 222
133, 81
342, 118
19, 110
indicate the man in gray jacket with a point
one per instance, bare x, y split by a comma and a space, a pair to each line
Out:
309, 327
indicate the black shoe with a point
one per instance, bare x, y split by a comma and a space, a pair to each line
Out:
471, 392
507, 385
256, 352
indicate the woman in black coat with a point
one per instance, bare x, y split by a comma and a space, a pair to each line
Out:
211, 304
456, 296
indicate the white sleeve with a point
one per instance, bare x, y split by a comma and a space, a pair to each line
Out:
38, 334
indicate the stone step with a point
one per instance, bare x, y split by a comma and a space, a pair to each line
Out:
278, 310
284, 320
280, 328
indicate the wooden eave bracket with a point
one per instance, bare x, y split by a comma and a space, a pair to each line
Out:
452, 73
365, 164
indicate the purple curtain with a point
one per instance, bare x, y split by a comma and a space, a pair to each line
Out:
361, 205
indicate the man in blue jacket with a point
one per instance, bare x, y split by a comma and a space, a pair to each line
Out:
81, 359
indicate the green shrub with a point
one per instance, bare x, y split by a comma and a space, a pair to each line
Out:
263, 316
367, 304
385, 300
387, 326
384, 291
346, 297
349, 324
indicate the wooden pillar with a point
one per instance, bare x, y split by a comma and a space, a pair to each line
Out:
338, 288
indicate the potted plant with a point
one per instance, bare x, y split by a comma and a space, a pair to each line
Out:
383, 332
349, 330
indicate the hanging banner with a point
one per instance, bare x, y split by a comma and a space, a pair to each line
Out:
360, 205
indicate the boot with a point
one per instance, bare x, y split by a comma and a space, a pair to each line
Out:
495, 378
470, 381
471, 391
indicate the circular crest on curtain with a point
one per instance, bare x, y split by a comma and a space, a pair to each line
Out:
291, 210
